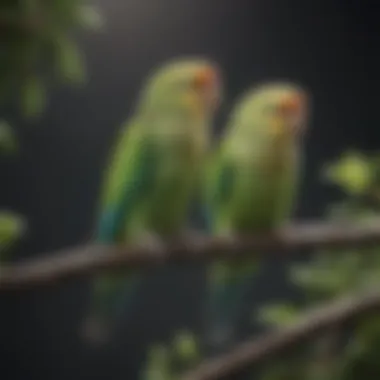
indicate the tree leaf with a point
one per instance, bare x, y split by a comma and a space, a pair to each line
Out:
368, 329
89, 16
158, 364
69, 61
8, 140
34, 97
289, 369
12, 227
278, 315
186, 347
352, 172
319, 281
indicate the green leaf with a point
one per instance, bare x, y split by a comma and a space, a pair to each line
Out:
158, 364
353, 173
353, 261
185, 346
30, 7
34, 97
69, 61
158, 353
64, 12
12, 227
8, 141
290, 369
278, 315
89, 16
322, 281
157, 374
368, 329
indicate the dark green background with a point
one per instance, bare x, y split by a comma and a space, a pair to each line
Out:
329, 46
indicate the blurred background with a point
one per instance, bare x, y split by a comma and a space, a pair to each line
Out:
328, 46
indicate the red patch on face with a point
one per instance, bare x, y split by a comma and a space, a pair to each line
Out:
207, 83
205, 78
291, 105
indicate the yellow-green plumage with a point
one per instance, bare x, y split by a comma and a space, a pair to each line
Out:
154, 169
250, 188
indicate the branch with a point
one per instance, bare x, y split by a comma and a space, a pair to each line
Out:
244, 356
92, 259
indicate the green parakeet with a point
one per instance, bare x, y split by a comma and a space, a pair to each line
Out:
250, 188
153, 173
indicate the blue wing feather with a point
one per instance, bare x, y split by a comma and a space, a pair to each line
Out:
114, 294
136, 187
226, 291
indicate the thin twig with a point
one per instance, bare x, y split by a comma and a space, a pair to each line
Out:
92, 259
231, 364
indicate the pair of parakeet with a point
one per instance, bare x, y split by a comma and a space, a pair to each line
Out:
159, 166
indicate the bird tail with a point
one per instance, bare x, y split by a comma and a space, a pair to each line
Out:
112, 298
227, 291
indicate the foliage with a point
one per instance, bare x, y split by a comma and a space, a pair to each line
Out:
8, 141
38, 47
37, 50
338, 354
166, 362
12, 226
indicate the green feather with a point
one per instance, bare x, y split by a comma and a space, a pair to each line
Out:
250, 189
152, 175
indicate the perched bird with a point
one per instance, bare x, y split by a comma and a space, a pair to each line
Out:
250, 188
153, 174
